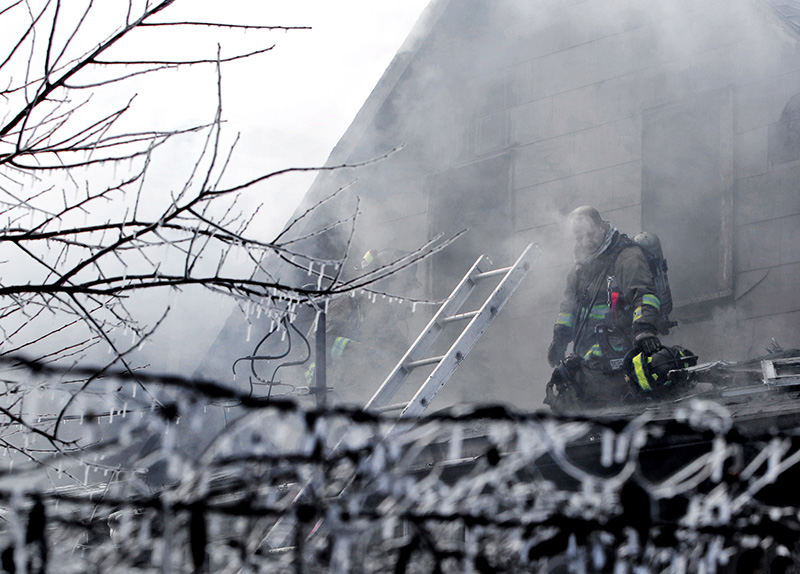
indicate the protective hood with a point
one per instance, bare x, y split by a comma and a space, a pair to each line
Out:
582, 258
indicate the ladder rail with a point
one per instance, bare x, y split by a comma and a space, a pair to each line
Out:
468, 337
426, 338
479, 322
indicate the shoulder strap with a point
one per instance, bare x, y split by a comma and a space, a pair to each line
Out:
599, 280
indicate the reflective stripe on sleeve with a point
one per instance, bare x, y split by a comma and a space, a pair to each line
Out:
638, 369
564, 319
652, 300
339, 345
309, 374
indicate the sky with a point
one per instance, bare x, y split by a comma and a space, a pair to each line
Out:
307, 90
289, 107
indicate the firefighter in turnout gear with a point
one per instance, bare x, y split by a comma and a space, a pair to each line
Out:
610, 307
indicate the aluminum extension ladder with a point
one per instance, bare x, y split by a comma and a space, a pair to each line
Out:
478, 321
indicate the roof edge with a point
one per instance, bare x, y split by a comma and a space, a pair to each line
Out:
394, 71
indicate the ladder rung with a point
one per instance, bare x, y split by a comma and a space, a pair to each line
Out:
492, 273
423, 362
460, 317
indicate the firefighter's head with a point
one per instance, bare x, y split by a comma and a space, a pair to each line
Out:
587, 227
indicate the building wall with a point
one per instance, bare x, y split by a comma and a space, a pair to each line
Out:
513, 113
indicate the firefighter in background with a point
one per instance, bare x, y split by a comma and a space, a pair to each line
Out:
364, 338
610, 307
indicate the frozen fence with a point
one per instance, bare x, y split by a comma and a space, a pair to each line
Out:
284, 487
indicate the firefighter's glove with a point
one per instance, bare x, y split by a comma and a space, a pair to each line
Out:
561, 338
647, 343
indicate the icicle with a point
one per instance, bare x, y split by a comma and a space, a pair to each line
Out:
249, 329
86, 475
316, 321
572, 547
124, 409
598, 557
717, 459
111, 416
622, 448
283, 335
773, 462
608, 448
455, 443
133, 394
310, 268
414, 307
388, 527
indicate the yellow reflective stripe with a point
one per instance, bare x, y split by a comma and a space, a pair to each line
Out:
652, 300
594, 350
637, 313
339, 345
654, 376
564, 319
368, 258
309, 374
638, 369
599, 312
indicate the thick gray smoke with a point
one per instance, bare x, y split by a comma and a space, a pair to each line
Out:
667, 117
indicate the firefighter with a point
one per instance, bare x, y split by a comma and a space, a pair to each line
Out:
610, 306
365, 338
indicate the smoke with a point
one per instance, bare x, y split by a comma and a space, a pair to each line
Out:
513, 113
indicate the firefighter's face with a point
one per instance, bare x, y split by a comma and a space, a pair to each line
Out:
588, 234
